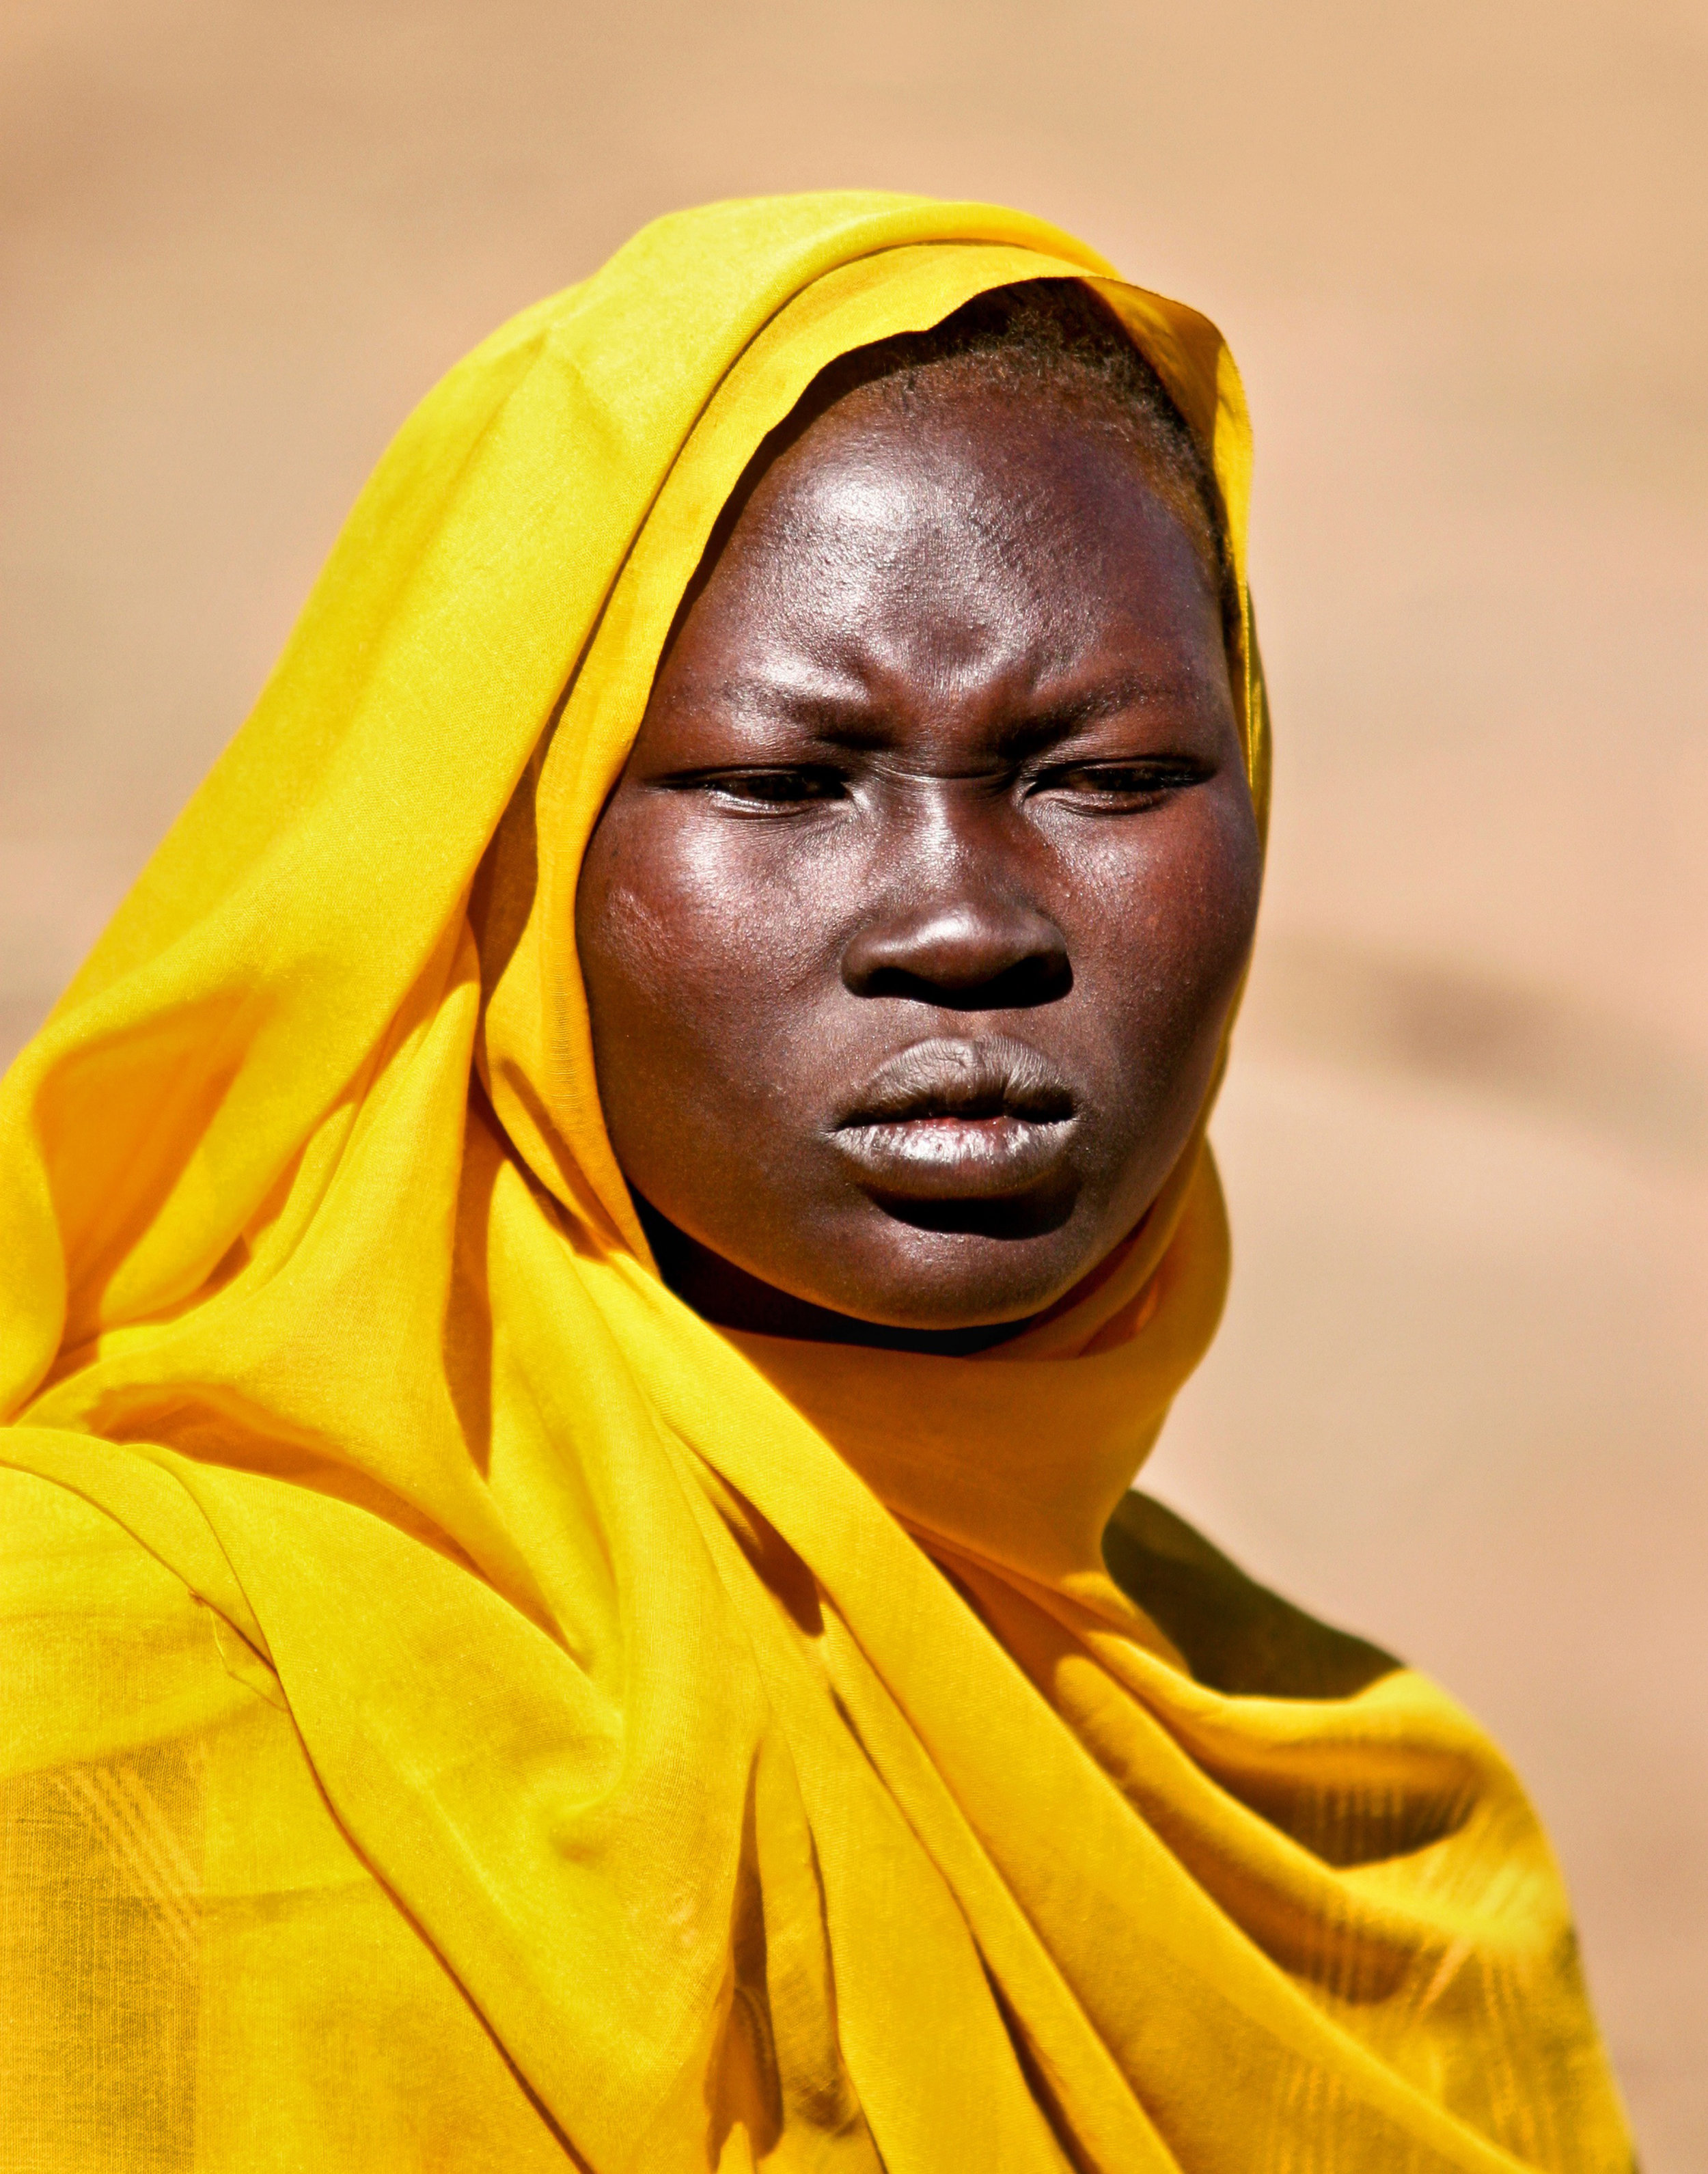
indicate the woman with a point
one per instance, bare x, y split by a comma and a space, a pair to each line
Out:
587, 1265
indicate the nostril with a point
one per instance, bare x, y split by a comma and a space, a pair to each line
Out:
963, 959
1028, 982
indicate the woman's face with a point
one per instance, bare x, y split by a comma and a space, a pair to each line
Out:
911, 925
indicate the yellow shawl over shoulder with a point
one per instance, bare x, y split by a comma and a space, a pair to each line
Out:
462, 1710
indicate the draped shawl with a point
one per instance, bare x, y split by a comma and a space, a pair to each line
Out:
463, 1709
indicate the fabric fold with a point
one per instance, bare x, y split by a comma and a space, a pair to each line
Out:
621, 1744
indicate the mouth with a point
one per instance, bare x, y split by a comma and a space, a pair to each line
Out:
959, 1120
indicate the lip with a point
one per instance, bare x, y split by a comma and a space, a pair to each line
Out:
950, 1119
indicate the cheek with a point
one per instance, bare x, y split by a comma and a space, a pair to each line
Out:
698, 952
1212, 893
631, 951
1165, 929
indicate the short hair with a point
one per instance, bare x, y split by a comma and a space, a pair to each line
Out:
1057, 340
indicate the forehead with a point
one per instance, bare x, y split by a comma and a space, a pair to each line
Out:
926, 523
951, 441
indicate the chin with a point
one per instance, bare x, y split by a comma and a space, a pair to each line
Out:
974, 1282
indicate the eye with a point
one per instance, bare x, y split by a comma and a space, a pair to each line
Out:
1121, 788
777, 789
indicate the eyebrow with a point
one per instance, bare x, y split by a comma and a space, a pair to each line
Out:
862, 721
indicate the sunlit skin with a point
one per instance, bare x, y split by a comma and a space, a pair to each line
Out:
912, 926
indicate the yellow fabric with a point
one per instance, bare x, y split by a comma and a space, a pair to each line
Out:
462, 1710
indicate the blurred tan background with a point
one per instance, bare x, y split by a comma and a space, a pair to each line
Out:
1461, 1400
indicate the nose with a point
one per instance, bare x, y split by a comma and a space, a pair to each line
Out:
981, 951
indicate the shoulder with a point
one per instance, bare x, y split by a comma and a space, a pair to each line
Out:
1237, 1635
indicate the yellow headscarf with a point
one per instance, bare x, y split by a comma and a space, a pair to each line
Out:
735, 1750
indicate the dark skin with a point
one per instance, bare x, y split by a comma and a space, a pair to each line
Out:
912, 926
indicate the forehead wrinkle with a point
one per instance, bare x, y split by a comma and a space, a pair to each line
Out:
941, 583
1015, 720
829, 711
964, 592
887, 580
